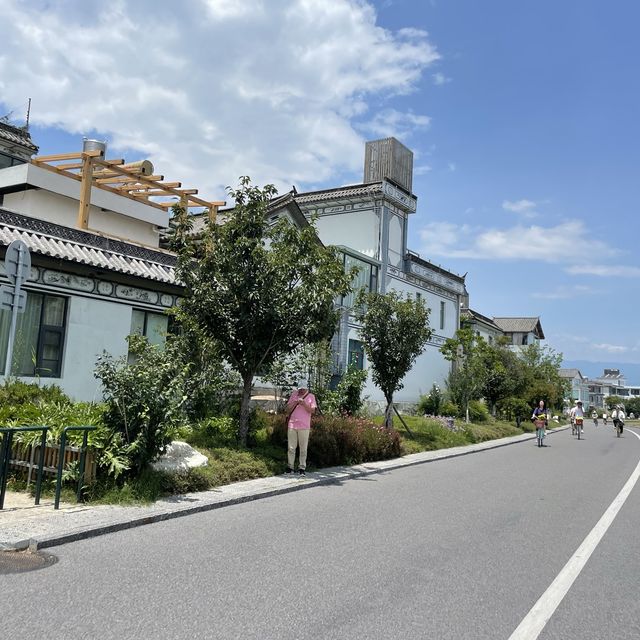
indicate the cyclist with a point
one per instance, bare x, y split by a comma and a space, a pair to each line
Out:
577, 418
541, 420
617, 415
604, 418
594, 415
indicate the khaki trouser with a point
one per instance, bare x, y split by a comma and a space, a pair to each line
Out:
298, 438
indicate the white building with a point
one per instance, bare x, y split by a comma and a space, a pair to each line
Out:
98, 273
369, 223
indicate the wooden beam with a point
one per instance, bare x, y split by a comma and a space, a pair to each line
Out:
69, 156
85, 192
131, 186
213, 212
123, 179
168, 205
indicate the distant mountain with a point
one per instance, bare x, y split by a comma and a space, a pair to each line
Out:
629, 370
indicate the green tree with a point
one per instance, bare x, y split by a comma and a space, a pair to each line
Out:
394, 332
502, 372
255, 289
468, 375
542, 379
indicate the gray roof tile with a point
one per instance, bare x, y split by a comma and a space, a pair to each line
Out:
142, 266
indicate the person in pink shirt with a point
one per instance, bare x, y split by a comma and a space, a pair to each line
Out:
300, 408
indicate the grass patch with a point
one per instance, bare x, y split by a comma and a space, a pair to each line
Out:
229, 463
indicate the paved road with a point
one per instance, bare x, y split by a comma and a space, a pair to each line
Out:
460, 548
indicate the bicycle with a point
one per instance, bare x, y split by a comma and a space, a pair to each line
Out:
618, 424
595, 422
579, 423
540, 425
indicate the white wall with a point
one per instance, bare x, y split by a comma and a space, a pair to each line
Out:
358, 230
62, 210
93, 326
396, 238
432, 301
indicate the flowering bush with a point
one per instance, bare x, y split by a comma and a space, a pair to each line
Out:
340, 440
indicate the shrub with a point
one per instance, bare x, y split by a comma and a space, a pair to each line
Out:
448, 408
478, 411
513, 408
214, 432
347, 396
16, 393
341, 440
431, 403
144, 400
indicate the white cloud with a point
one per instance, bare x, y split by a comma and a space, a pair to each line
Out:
421, 169
610, 348
213, 89
611, 270
452, 166
391, 122
568, 242
564, 293
439, 79
525, 208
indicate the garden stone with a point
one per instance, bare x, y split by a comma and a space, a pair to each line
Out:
179, 458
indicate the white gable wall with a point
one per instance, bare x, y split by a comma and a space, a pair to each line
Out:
359, 230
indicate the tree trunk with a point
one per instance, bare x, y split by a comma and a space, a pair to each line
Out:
243, 427
388, 415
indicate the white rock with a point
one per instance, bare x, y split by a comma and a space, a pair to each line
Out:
179, 458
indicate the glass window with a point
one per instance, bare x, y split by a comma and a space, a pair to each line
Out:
153, 326
39, 340
356, 354
366, 278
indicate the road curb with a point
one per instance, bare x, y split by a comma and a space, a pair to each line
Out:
333, 475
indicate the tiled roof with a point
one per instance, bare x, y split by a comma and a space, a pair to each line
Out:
353, 191
60, 242
523, 325
570, 373
286, 200
470, 313
16, 135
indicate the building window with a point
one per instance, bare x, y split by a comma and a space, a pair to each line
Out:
442, 308
418, 296
356, 354
525, 339
9, 161
366, 278
153, 326
39, 339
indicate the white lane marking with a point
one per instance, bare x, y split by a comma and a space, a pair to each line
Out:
541, 612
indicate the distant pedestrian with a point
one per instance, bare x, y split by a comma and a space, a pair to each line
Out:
300, 408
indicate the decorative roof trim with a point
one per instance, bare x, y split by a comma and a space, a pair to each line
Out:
56, 241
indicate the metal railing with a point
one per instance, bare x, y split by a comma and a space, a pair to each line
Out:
83, 456
5, 457
5, 460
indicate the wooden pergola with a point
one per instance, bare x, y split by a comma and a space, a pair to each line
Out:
134, 180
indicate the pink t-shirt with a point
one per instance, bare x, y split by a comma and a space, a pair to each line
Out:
301, 418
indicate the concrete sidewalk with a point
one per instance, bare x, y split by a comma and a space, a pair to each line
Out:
23, 525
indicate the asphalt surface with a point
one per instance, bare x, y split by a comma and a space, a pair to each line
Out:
460, 548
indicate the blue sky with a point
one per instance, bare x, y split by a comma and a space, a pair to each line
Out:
523, 117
